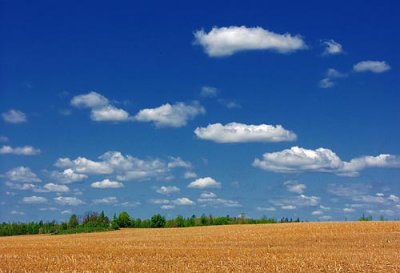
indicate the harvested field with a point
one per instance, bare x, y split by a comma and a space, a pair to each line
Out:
295, 247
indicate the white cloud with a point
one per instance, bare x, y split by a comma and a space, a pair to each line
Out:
331, 74
371, 66
332, 48
22, 174
325, 218
68, 175
67, 211
165, 207
167, 189
68, 201
298, 159
177, 162
34, 200
210, 199
326, 83
226, 41
160, 201
324, 208
295, 187
317, 212
25, 150
89, 100
207, 194
84, 166
56, 187
205, 182
288, 207
22, 187
170, 204
107, 184
304, 200
230, 104
334, 74
14, 116
189, 174
184, 201
266, 209
17, 212
101, 108
348, 190
209, 92
49, 209
109, 113
106, 201
381, 161
394, 198
348, 210
238, 132
126, 167
297, 201
3, 138
167, 115
369, 199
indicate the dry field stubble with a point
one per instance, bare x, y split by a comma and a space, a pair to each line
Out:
302, 247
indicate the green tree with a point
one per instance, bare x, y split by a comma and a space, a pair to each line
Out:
179, 221
157, 221
73, 221
124, 220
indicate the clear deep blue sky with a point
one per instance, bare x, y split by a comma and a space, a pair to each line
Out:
142, 54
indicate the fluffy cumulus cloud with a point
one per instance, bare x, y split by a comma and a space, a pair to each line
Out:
51, 187
25, 150
22, 174
238, 132
101, 108
210, 199
297, 159
167, 189
226, 41
34, 200
68, 201
124, 167
371, 66
106, 184
14, 116
109, 113
89, 100
203, 183
170, 115
68, 175
83, 165
332, 48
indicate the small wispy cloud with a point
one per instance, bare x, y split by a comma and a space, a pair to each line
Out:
14, 116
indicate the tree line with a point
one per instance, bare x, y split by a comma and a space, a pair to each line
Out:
93, 221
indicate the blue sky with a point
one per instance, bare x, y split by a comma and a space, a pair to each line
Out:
277, 109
